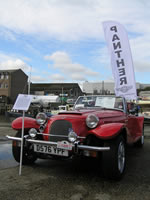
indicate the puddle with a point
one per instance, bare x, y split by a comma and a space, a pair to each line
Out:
6, 157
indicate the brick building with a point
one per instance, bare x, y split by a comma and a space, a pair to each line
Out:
13, 82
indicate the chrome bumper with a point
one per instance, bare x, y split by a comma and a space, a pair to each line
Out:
77, 146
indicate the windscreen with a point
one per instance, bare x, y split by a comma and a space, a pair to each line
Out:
99, 101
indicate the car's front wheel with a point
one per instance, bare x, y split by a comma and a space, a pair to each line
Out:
29, 157
114, 160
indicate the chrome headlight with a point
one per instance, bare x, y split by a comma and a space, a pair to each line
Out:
41, 118
72, 136
32, 132
92, 121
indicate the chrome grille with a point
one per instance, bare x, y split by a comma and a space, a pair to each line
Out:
59, 128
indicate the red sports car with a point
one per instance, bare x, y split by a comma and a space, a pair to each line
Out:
98, 126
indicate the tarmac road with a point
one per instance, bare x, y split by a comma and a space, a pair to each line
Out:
73, 180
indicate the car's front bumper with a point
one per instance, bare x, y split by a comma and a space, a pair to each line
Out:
75, 146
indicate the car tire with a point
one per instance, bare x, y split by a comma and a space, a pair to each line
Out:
114, 160
29, 157
140, 142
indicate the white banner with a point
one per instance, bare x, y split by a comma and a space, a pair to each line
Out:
121, 59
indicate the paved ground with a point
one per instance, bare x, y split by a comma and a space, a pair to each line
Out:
78, 180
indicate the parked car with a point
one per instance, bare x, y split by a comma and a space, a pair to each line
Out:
144, 110
99, 126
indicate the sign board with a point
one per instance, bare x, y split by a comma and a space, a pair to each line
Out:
22, 102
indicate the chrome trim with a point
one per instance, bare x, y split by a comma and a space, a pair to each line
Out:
13, 138
82, 147
41, 142
51, 135
46, 134
93, 148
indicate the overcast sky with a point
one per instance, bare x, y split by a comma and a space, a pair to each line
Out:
63, 40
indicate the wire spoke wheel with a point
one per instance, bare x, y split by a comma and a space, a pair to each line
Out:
121, 157
114, 161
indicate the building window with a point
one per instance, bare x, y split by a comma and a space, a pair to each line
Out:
1, 85
6, 85
95, 91
2, 76
6, 76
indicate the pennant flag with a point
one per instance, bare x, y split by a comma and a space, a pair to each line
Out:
121, 60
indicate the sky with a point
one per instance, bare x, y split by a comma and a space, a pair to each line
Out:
63, 40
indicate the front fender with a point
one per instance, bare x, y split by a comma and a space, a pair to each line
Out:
28, 123
107, 131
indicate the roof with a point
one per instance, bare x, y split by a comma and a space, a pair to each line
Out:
55, 85
63, 84
11, 71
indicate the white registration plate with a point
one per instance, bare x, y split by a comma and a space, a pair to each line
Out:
54, 150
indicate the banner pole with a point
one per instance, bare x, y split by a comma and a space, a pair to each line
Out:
22, 140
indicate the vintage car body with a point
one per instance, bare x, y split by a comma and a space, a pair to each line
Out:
99, 126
